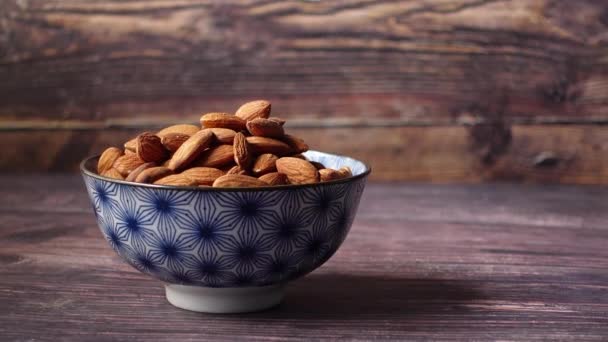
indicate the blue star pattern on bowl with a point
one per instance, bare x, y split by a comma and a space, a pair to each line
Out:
227, 238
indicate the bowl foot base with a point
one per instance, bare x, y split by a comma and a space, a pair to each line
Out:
224, 300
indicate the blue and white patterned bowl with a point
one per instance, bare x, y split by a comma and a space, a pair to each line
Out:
232, 249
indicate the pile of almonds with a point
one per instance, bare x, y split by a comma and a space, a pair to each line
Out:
247, 149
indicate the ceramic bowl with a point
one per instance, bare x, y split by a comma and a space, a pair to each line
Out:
226, 249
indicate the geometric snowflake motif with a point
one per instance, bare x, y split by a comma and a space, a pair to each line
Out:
322, 203
163, 206
208, 267
204, 227
102, 194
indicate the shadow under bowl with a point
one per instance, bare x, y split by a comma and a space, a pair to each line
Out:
226, 249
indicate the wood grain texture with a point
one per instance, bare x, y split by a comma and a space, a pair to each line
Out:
530, 153
417, 61
451, 90
481, 262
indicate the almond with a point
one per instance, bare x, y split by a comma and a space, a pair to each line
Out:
236, 170
237, 181
186, 129
298, 171
242, 151
172, 141
191, 149
127, 163
269, 145
264, 163
345, 172
274, 178
133, 174
131, 145
152, 174
203, 175
107, 159
150, 149
223, 135
227, 151
112, 173
265, 128
216, 157
223, 120
254, 109
176, 180
298, 145
326, 175
278, 120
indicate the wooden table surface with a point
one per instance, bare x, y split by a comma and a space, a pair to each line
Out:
475, 262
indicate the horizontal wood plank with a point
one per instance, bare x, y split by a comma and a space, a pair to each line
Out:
519, 265
521, 153
422, 62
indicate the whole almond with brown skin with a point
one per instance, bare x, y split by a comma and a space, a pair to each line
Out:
326, 175
277, 120
345, 172
223, 135
298, 171
217, 157
181, 128
149, 148
131, 145
264, 163
265, 128
133, 174
152, 174
172, 141
127, 163
297, 144
236, 170
254, 109
107, 159
176, 180
223, 120
237, 181
269, 145
112, 173
274, 178
191, 149
203, 175
242, 152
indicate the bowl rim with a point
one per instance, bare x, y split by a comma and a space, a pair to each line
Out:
85, 171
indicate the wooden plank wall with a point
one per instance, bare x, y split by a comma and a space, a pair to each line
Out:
425, 90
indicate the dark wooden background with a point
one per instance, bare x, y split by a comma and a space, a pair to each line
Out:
443, 91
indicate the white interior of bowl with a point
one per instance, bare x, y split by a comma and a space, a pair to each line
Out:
333, 161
